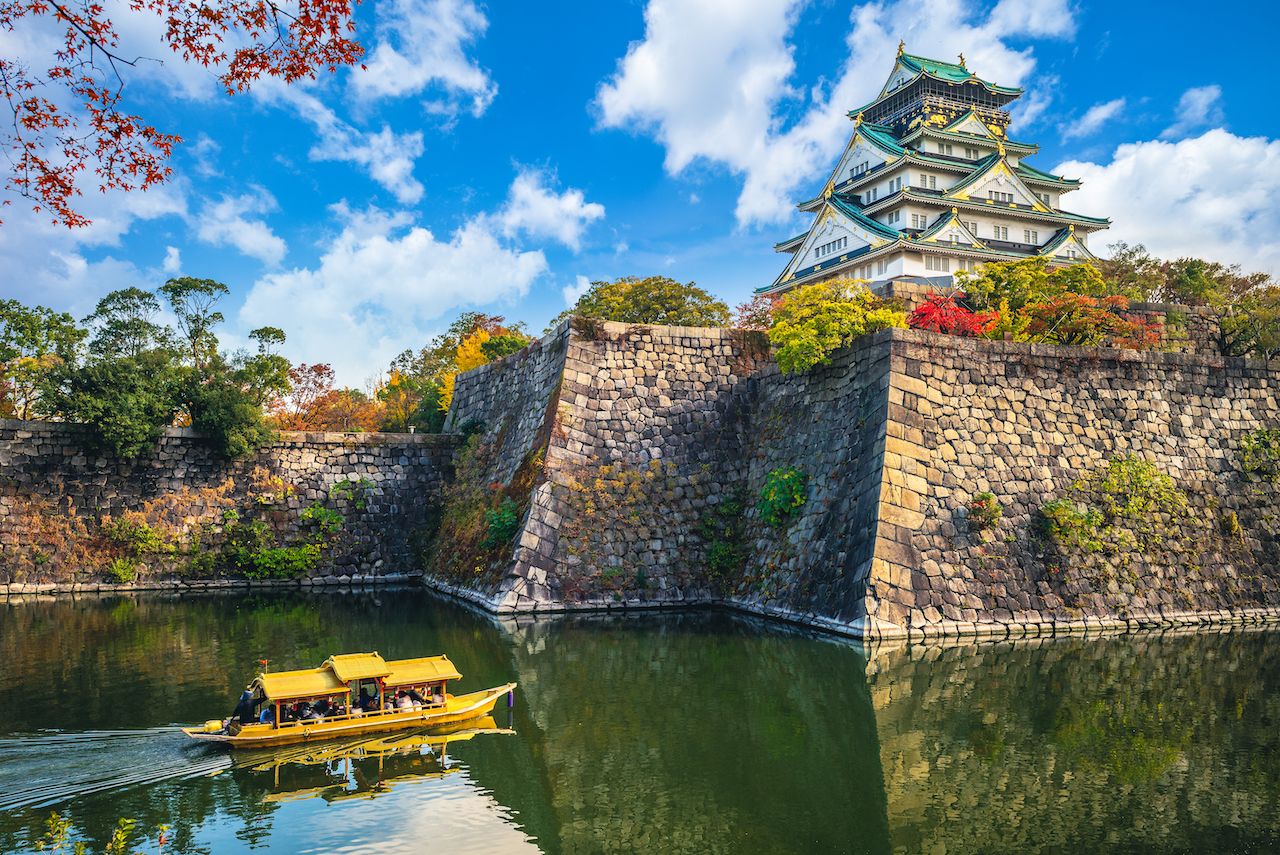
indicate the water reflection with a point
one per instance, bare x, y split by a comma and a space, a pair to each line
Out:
677, 733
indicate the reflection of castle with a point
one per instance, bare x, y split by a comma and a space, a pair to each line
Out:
929, 184
363, 768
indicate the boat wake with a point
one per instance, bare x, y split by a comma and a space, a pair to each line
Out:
52, 767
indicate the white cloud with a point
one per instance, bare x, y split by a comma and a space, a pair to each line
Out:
230, 222
172, 260
422, 43
571, 293
1199, 107
1093, 119
537, 211
712, 81
379, 285
1212, 196
387, 157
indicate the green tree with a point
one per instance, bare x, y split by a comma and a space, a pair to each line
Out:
125, 323
1007, 286
264, 375
813, 321
1134, 272
651, 300
127, 400
194, 301
223, 408
1251, 325
33, 342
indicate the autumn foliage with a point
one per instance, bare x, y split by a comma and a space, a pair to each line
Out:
70, 116
945, 313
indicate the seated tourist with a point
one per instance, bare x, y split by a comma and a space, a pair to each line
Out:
403, 702
416, 696
368, 702
267, 716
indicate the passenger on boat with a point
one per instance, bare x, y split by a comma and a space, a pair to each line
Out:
267, 716
416, 696
244, 708
368, 702
403, 702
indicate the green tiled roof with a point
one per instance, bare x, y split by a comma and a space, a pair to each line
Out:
950, 72
1027, 171
853, 212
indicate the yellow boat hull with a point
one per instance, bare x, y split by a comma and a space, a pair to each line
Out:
457, 708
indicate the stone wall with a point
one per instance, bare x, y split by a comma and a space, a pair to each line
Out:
652, 430
54, 493
1026, 423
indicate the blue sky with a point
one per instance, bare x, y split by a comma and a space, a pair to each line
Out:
500, 155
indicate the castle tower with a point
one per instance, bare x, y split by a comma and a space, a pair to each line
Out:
930, 184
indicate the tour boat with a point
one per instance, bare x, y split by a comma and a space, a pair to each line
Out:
288, 707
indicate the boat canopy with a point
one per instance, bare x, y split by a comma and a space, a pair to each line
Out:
358, 666
307, 683
417, 672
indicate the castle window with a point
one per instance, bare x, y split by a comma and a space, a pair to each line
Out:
967, 264
893, 217
1030, 236
1071, 253
944, 148
880, 267
933, 262
872, 194
997, 196
1000, 232
919, 221
861, 168
971, 153
928, 182
973, 227
895, 185
830, 247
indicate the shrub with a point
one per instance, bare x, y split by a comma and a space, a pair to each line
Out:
1259, 454
812, 322
1080, 320
723, 532
326, 521
501, 523
984, 511
1071, 526
136, 536
784, 493
122, 570
283, 562
945, 313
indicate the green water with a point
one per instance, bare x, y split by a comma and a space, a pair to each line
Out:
696, 733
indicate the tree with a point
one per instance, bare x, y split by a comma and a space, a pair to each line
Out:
193, 301
33, 341
265, 374
1082, 321
127, 400
1007, 286
71, 116
1251, 327
946, 313
813, 321
1133, 271
346, 410
125, 324
470, 354
651, 300
756, 313
308, 384
400, 397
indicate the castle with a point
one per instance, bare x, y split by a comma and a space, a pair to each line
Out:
930, 184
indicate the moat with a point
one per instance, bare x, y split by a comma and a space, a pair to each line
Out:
681, 732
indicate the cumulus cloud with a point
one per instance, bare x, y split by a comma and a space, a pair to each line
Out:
571, 293
713, 81
535, 210
386, 156
1093, 119
381, 283
172, 260
421, 44
1211, 196
231, 221
1199, 107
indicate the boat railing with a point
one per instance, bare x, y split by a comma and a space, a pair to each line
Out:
351, 716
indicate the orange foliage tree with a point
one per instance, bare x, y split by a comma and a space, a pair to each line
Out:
71, 116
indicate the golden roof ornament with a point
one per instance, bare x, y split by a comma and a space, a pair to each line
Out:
857, 120
962, 60
1000, 147
902, 46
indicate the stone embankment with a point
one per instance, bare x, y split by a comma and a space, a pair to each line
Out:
55, 496
660, 440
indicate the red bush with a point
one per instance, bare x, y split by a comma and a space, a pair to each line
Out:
943, 313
